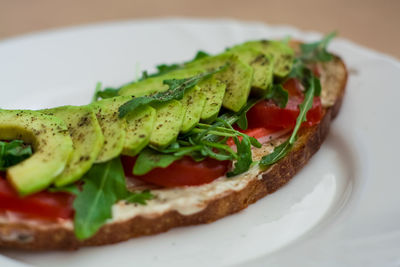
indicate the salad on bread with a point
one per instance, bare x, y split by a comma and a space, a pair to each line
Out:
187, 144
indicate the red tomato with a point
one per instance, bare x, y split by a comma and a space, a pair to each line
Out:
182, 172
268, 115
294, 87
43, 204
255, 132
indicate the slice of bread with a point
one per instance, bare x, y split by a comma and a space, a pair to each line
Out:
190, 205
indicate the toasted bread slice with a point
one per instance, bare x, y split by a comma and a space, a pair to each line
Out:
177, 207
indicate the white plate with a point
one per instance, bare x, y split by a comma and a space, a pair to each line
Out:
340, 210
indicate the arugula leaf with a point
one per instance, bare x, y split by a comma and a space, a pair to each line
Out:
96, 92
282, 150
149, 159
254, 142
12, 153
165, 68
71, 188
200, 54
140, 198
242, 121
177, 88
304, 107
278, 153
106, 93
316, 51
240, 118
245, 156
161, 70
279, 95
104, 185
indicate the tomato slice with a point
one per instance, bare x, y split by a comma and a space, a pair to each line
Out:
294, 87
183, 172
267, 114
43, 204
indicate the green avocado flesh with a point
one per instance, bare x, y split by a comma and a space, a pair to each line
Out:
168, 123
214, 91
52, 146
87, 139
261, 63
112, 127
139, 125
193, 103
237, 76
283, 55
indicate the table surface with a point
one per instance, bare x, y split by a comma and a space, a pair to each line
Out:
372, 23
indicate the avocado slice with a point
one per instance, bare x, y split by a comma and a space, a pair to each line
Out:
112, 127
139, 125
261, 63
283, 54
237, 76
168, 122
193, 102
214, 91
87, 139
51, 144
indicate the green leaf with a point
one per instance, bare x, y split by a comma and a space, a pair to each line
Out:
177, 88
279, 95
301, 71
244, 161
278, 153
317, 51
242, 121
72, 189
12, 153
104, 185
140, 198
161, 70
165, 68
241, 117
96, 92
149, 159
200, 54
254, 142
107, 93
317, 86
305, 106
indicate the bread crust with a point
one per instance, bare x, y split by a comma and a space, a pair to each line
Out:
25, 236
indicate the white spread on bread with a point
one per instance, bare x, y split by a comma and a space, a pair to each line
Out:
185, 200
192, 199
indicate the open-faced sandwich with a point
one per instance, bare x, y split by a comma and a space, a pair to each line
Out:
189, 144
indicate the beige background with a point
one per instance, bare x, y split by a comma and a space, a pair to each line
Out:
372, 23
